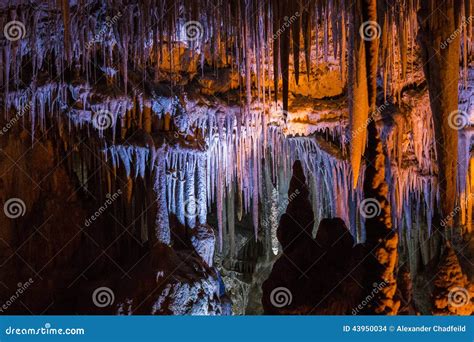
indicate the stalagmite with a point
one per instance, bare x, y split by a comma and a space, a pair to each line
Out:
359, 108
231, 221
378, 227
220, 181
449, 282
201, 190
180, 202
190, 204
255, 197
441, 68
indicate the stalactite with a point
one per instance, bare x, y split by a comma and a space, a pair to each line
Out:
306, 29
231, 220
441, 68
64, 4
325, 13
295, 29
379, 231
248, 74
284, 54
180, 202
276, 48
402, 42
342, 57
359, 108
219, 160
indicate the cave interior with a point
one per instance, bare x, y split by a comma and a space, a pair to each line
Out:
237, 157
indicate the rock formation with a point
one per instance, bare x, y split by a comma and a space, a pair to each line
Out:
299, 282
157, 138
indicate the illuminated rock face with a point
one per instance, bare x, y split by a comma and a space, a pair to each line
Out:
453, 294
204, 242
185, 141
204, 116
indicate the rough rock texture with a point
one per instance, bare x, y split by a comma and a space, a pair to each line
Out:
441, 68
204, 241
405, 292
183, 285
37, 241
238, 291
381, 238
205, 122
65, 259
453, 293
222, 81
